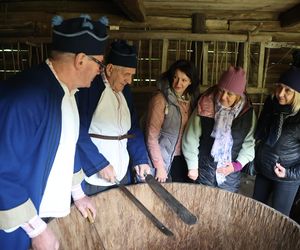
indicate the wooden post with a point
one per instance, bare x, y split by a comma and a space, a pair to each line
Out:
246, 57
164, 58
260, 73
204, 64
150, 62
198, 23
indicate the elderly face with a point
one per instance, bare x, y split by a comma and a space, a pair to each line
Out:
180, 82
284, 94
119, 77
227, 98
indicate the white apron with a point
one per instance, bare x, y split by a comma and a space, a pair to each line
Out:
111, 118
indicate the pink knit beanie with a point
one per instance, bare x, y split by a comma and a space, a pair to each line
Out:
233, 80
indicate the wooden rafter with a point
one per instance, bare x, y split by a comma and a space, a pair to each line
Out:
290, 17
133, 9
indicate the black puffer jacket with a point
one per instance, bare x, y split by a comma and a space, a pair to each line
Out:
285, 151
241, 126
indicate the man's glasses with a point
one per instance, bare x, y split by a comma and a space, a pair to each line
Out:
101, 64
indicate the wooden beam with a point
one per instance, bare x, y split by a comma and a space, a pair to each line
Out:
283, 36
133, 9
170, 36
190, 37
60, 6
290, 17
278, 45
259, 26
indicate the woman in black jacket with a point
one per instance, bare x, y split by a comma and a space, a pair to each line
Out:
277, 158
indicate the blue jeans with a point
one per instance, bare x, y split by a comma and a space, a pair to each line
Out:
283, 193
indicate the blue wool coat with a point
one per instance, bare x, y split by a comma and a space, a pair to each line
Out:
91, 160
30, 108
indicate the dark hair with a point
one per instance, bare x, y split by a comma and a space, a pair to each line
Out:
186, 67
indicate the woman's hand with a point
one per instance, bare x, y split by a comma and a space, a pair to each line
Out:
193, 174
226, 170
161, 175
280, 171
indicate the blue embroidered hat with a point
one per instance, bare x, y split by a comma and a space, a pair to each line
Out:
122, 54
79, 35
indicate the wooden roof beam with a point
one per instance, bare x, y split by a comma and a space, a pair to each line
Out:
133, 9
290, 17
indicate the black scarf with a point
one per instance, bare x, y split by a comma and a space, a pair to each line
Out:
280, 113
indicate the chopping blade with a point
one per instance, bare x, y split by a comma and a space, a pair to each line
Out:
145, 211
92, 223
183, 213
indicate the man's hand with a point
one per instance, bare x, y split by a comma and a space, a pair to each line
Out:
193, 174
84, 204
142, 170
161, 175
280, 171
45, 241
108, 173
228, 169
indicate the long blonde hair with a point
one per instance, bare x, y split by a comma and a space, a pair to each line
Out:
296, 102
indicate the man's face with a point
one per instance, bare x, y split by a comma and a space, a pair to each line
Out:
91, 68
119, 76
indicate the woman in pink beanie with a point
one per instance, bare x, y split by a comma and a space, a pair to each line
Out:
218, 141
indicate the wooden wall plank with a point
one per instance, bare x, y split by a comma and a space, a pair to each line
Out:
133, 9
290, 17
259, 26
191, 37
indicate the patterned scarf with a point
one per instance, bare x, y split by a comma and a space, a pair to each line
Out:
221, 149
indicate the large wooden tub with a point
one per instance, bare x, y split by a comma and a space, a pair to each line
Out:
225, 221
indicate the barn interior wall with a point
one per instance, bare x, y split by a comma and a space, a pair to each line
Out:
252, 39
210, 57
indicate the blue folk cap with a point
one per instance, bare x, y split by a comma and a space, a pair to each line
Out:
122, 54
291, 78
79, 35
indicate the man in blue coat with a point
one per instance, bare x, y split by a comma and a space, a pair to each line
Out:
38, 137
110, 138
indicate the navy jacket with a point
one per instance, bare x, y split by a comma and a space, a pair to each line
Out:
30, 118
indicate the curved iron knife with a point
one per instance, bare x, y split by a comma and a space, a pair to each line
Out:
183, 213
144, 210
